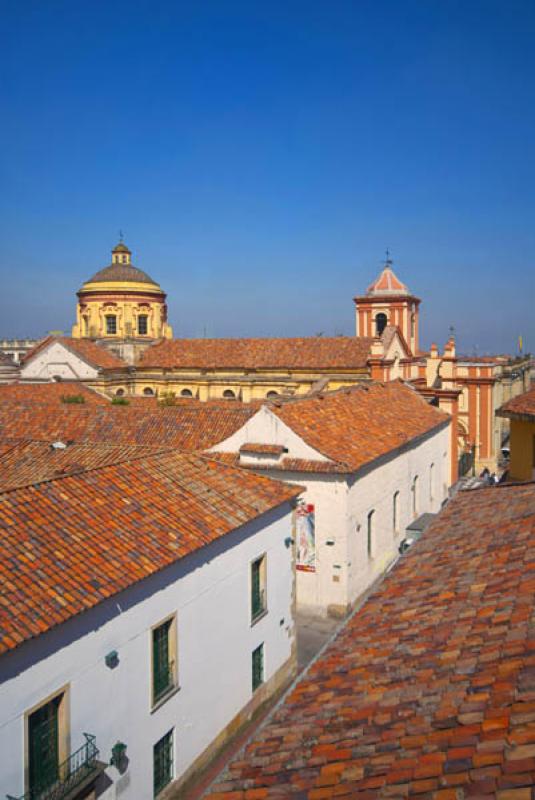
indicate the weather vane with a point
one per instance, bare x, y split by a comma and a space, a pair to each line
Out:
121, 236
388, 260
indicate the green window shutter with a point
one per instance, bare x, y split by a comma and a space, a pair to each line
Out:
162, 668
163, 762
44, 746
258, 667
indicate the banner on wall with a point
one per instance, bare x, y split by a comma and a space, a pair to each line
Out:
306, 537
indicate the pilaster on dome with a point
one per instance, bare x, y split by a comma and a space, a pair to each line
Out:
387, 282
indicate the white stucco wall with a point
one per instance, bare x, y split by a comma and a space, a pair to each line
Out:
266, 428
375, 490
57, 360
210, 593
343, 569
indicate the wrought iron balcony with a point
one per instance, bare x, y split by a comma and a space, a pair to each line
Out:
78, 769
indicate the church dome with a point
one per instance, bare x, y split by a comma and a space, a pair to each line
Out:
121, 272
121, 303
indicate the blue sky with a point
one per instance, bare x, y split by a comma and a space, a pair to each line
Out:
260, 156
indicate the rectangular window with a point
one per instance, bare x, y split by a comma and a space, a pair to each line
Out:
43, 746
142, 326
395, 512
111, 324
258, 588
370, 534
258, 667
163, 762
163, 660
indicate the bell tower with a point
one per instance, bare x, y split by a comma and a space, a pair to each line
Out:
388, 302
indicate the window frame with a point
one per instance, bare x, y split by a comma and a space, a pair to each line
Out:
395, 512
158, 699
145, 318
258, 670
63, 730
171, 760
262, 584
414, 496
108, 318
370, 520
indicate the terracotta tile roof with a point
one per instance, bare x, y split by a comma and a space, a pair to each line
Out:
429, 689
24, 463
520, 407
353, 427
91, 352
387, 283
185, 428
311, 353
68, 544
262, 449
51, 393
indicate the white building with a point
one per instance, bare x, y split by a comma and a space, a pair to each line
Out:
66, 359
372, 458
146, 612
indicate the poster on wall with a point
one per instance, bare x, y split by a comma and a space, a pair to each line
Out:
306, 537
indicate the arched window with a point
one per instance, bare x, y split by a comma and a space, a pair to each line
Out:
380, 323
414, 492
186, 393
272, 394
119, 393
370, 542
148, 392
413, 324
228, 394
431, 481
395, 512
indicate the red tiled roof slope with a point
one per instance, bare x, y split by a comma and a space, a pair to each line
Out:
429, 689
24, 463
387, 282
310, 353
70, 543
186, 428
90, 351
355, 426
49, 392
523, 405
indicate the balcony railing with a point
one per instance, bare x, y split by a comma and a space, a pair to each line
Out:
70, 774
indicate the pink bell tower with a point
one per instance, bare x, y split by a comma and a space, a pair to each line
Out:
388, 302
